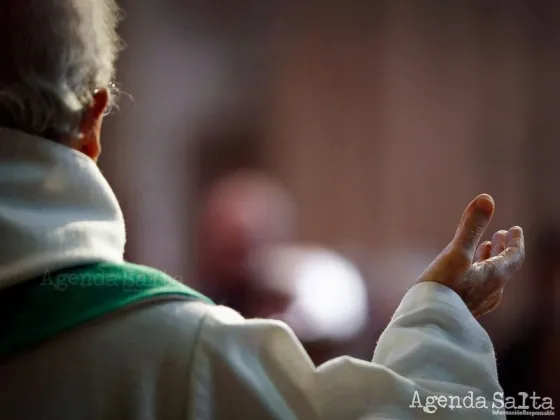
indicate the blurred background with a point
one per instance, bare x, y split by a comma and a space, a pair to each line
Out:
307, 160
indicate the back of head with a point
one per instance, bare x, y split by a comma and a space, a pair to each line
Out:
54, 54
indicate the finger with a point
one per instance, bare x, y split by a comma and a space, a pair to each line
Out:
474, 222
515, 238
516, 243
510, 259
483, 251
499, 241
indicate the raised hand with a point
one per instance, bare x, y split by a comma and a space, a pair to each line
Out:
478, 272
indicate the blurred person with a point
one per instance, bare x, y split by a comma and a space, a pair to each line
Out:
243, 213
249, 263
158, 349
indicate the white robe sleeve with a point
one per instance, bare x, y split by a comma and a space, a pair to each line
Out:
257, 369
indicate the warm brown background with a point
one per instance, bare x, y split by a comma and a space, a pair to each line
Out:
383, 117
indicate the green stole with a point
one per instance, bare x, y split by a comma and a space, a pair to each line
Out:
38, 309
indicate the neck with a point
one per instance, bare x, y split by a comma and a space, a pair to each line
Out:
56, 209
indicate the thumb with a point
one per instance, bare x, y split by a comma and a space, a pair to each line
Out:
474, 222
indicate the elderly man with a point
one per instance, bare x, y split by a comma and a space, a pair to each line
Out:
85, 335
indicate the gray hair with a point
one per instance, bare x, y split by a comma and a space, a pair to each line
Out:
54, 54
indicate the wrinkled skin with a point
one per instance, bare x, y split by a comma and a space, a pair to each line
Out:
478, 272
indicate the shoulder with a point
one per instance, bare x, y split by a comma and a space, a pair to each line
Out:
136, 305
229, 337
120, 283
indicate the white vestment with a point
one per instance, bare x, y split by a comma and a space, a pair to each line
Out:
183, 360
